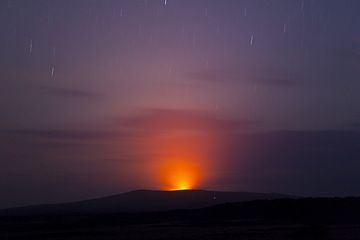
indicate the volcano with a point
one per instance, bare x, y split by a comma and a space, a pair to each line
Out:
146, 201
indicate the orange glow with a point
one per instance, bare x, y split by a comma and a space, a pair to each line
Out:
176, 152
180, 175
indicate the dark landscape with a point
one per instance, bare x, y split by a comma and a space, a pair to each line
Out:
273, 217
146, 201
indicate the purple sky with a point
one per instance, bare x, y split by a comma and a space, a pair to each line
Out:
93, 93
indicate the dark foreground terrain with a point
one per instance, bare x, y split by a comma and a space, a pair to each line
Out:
318, 218
145, 201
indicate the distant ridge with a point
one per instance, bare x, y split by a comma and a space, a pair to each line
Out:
300, 218
144, 201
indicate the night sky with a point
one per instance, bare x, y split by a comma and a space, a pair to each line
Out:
96, 96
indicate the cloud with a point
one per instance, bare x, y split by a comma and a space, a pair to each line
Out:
215, 76
350, 55
63, 134
72, 93
278, 81
274, 78
148, 120
301, 162
353, 126
184, 119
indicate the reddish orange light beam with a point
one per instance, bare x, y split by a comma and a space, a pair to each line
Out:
180, 175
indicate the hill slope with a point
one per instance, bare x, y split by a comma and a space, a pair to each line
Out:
297, 219
145, 201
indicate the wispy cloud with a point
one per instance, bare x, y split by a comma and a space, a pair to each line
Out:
266, 78
278, 82
184, 119
353, 126
63, 134
148, 120
72, 93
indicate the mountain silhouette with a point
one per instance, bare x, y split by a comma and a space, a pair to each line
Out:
146, 201
290, 219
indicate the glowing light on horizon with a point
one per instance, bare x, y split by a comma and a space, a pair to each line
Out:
180, 175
